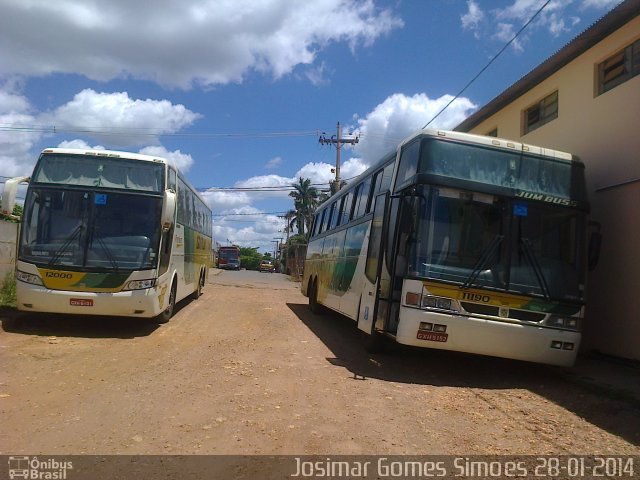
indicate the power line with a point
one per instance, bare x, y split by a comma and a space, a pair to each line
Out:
246, 214
142, 132
488, 64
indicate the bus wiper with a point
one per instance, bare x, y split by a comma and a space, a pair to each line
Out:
63, 248
483, 260
108, 253
531, 256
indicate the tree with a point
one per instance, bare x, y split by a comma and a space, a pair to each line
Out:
250, 258
305, 201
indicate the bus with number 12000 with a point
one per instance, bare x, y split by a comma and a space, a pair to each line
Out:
109, 233
459, 242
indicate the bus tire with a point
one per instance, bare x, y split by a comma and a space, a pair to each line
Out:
198, 291
166, 315
314, 306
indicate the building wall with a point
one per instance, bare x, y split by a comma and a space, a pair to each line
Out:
604, 131
8, 233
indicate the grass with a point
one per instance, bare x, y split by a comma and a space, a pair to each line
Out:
8, 291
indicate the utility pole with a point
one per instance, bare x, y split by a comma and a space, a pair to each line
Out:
338, 141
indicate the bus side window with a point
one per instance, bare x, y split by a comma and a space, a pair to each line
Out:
165, 252
386, 177
336, 213
321, 221
331, 219
347, 208
172, 183
314, 226
377, 182
340, 215
363, 198
408, 164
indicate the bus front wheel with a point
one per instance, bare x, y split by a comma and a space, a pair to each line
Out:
166, 315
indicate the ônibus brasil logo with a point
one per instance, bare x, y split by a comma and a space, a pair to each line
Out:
36, 469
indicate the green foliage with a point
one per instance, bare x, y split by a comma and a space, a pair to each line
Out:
8, 291
293, 241
305, 201
17, 212
250, 258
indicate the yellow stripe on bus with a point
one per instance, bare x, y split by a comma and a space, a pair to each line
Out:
476, 296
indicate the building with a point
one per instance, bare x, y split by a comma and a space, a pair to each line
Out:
585, 99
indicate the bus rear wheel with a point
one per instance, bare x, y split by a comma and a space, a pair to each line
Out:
314, 306
198, 291
166, 315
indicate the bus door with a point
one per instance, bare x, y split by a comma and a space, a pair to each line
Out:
368, 313
398, 231
389, 282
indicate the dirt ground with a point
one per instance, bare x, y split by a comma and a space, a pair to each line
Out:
247, 369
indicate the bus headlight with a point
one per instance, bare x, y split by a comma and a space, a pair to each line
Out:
429, 301
570, 323
28, 278
139, 284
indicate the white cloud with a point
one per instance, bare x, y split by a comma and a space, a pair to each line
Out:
180, 43
473, 17
17, 136
273, 163
556, 18
599, 4
399, 115
114, 119
505, 33
181, 161
120, 119
220, 200
79, 144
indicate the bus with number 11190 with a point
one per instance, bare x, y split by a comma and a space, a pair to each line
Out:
109, 233
459, 242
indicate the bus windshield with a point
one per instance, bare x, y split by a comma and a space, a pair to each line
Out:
96, 171
90, 229
228, 254
480, 240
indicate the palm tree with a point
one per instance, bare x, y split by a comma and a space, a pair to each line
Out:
305, 201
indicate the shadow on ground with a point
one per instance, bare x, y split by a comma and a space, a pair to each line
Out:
81, 326
611, 410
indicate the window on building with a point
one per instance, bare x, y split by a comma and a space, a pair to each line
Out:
542, 112
619, 68
492, 133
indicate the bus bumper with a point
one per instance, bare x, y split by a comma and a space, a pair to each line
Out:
530, 343
133, 303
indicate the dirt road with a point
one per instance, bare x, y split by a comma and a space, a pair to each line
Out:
247, 369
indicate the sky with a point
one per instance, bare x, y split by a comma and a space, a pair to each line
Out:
237, 93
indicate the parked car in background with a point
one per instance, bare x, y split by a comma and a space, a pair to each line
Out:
266, 266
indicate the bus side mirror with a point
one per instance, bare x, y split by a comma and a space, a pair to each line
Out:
9, 194
168, 210
595, 242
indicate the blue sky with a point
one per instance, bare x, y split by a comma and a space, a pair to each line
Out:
236, 92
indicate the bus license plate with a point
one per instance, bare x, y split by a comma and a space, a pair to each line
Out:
432, 336
80, 302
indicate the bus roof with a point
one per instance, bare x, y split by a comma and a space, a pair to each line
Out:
105, 153
470, 138
502, 143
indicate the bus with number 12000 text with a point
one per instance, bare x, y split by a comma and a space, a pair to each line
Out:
109, 233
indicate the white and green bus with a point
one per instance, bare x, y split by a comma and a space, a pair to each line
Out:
459, 242
109, 233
